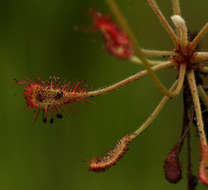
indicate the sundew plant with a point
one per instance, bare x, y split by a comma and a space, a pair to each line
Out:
50, 98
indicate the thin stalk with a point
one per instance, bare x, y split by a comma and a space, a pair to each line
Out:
137, 76
176, 7
182, 73
191, 179
138, 51
204, 69
176, 11
129, 80
154, 114
194, 92
163, 20
159, 53
200, 57
203, 95
72, 94
199, 36
136, 60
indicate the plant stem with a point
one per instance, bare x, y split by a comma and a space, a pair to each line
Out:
129, 80
176, 11
149, 52
203, 95
199, 36
176, 7
154, 113
182, 73
73, 94
180, 25
136, 60
194, 92
177, 86
163, 20
204, 69
199, 57
133, 78
138, 51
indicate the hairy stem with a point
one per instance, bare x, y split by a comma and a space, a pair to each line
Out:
194, 92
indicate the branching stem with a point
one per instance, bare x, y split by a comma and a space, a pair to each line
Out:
124, 25
141, 74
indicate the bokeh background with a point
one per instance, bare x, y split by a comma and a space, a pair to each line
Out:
37, 39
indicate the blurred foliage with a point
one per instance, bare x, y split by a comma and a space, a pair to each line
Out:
38, 40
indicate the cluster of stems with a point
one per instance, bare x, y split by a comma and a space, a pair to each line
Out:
184, 57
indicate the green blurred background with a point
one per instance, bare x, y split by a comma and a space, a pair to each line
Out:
37, 39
